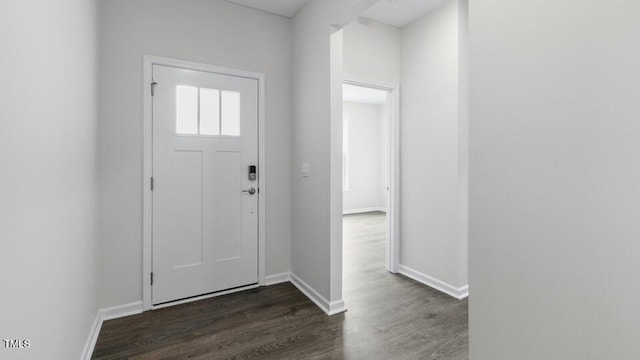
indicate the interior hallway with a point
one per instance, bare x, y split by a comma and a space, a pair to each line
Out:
389, 317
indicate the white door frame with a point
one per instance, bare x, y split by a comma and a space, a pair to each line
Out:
393, 150
147, 225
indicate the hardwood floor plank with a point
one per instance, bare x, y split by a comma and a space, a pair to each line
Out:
389, 317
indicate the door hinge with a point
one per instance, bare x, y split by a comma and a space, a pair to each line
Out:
151, 278
152, 183
153, 88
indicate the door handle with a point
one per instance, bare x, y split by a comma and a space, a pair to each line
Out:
251, 191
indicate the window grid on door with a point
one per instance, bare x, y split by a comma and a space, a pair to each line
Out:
208, 112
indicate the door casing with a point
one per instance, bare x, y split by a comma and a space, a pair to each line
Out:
147, 170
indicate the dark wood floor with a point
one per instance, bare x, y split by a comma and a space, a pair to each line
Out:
389, 317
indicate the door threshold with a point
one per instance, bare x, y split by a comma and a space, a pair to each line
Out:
202, 297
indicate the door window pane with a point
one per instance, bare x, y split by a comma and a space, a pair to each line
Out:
230, 113
204, 111
209, 111
186, 109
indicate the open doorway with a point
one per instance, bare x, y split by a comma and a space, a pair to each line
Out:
364, 150
370, 187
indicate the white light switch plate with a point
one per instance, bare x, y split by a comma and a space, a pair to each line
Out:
305, 169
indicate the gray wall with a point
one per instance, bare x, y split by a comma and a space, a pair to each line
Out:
555, 180
212, 32
433, 147
48, 182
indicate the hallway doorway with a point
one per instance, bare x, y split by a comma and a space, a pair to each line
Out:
370, 159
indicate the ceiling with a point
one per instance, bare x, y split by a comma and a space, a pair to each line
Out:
392, 12
400, 12
286, 8
363, 95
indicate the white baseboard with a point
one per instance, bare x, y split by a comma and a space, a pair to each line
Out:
457, 292
336, 307
277, 278
104, 315
329, 307
87, 352
121, 311
363, 210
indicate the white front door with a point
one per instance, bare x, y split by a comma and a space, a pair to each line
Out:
205, 213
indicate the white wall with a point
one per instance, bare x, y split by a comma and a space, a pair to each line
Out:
316, 204
554, 180
365, 157
212, 32
433, 161
48, 183
372, 51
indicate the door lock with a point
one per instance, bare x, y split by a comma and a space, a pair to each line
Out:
251, 191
